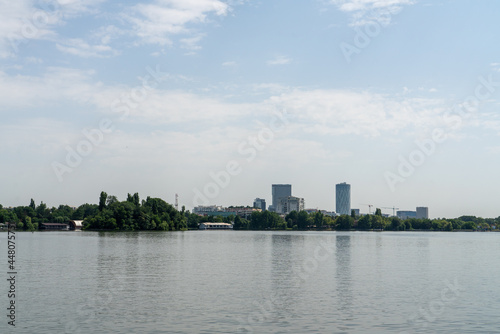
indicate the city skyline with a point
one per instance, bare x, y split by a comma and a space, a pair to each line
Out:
194, 98
342, 200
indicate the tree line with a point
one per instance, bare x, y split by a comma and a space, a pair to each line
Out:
318, 221
156, 214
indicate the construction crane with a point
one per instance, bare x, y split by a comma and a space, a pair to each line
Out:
369, 208
393, 210
176, 202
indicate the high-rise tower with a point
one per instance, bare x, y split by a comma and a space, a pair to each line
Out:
343, 198
422, 212
280, 191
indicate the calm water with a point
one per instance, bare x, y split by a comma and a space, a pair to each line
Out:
260, 282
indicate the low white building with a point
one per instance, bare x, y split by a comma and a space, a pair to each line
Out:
215, 226
201, 209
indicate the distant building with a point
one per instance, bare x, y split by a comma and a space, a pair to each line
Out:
280, 191
202, 209
343, 198
289, 204
217, 210
260, 203
242, 211
328, 213
356, 212
422, 212
406, 214
215, 226
54, 226
211, 210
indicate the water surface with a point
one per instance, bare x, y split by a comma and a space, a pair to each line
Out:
260, 282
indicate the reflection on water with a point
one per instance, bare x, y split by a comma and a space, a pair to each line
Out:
260, 282
343, 276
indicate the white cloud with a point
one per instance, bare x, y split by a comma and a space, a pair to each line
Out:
57, 84
20, 21
170, 107
279, 60
191, 43
365, 5
340, 112
156, 23
314, 112
24, 20
368, 11
107, 33
77, 7
39, 135
34, 60
79, 47
229, 63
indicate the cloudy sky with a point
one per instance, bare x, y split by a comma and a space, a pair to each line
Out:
216, 100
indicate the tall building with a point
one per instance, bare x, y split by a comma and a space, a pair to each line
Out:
260, 203
289, 204
343, 198
422, 212
403, 215
280, 191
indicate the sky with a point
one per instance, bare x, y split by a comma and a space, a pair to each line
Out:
216, 100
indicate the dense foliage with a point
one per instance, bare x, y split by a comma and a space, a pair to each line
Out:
31, 217
132, 214
317, 221
156, 214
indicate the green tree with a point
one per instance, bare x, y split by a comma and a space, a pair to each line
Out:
32, 204
291, 219
237, 223
469, 225
378, 222
111, 199
102, 200
447, 226
318, 219
42, 213
28, 225
84, 211
365, 223
134, 199
344, 222
396, 224
302, 220
378, 212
